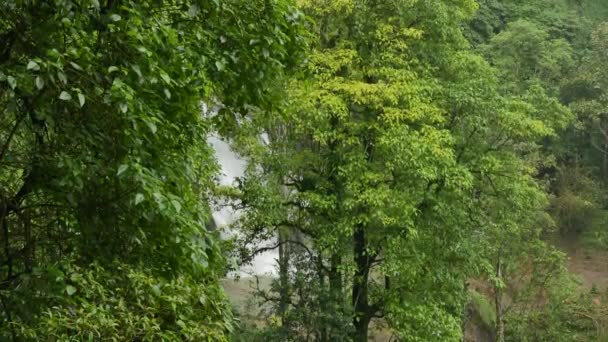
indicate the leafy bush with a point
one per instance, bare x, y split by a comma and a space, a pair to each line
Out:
121, 302
561, 315
574, 206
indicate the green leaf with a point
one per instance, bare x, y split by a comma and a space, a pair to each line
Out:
139, 198
81, 99
152, 127
176, 205
70, 290
193, 10
76, 66
219, 65
112, 69
39, 82
115, 17
165, 77
12, 82
62, 77
156, 290
137, 70
121, 169
167, 93
65, 96
32, 65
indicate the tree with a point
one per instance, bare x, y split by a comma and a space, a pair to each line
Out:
387, 151
104, 167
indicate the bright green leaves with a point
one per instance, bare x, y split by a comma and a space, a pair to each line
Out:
70, 290
397, 140
104, 299
385, 139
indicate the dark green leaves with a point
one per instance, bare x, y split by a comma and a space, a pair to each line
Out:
102, 142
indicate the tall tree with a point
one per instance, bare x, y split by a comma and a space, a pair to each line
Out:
390, 148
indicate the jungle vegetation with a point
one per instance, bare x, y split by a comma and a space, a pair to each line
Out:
413, 162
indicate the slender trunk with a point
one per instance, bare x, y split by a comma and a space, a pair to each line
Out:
500, 323
283, 278
29, 242
284, 234
324, 329
335, 279
605, 156
5, 235
360, 298
465, 313
336, 292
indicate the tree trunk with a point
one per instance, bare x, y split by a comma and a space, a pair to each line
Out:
335, 280
324, 329
283, 235
361, 329
466, 316
605, 165
360, 298
283, 278
500, 323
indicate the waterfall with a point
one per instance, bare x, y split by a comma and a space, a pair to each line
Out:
233, 167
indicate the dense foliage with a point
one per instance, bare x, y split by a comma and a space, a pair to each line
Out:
411, 161
104, 166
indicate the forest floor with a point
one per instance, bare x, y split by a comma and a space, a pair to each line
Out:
590, 264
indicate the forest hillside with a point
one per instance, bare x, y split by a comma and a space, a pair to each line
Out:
412, 170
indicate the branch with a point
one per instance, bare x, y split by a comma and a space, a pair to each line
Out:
6, 45
10, 137
8, 316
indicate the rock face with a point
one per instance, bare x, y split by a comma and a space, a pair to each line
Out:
475, 330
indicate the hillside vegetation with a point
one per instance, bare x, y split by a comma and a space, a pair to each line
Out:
424, 170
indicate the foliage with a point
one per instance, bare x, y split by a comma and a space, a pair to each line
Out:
561, 314
596, 235
575, 203
398, 161
119, 303
524, 51
104, 167
396, 149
